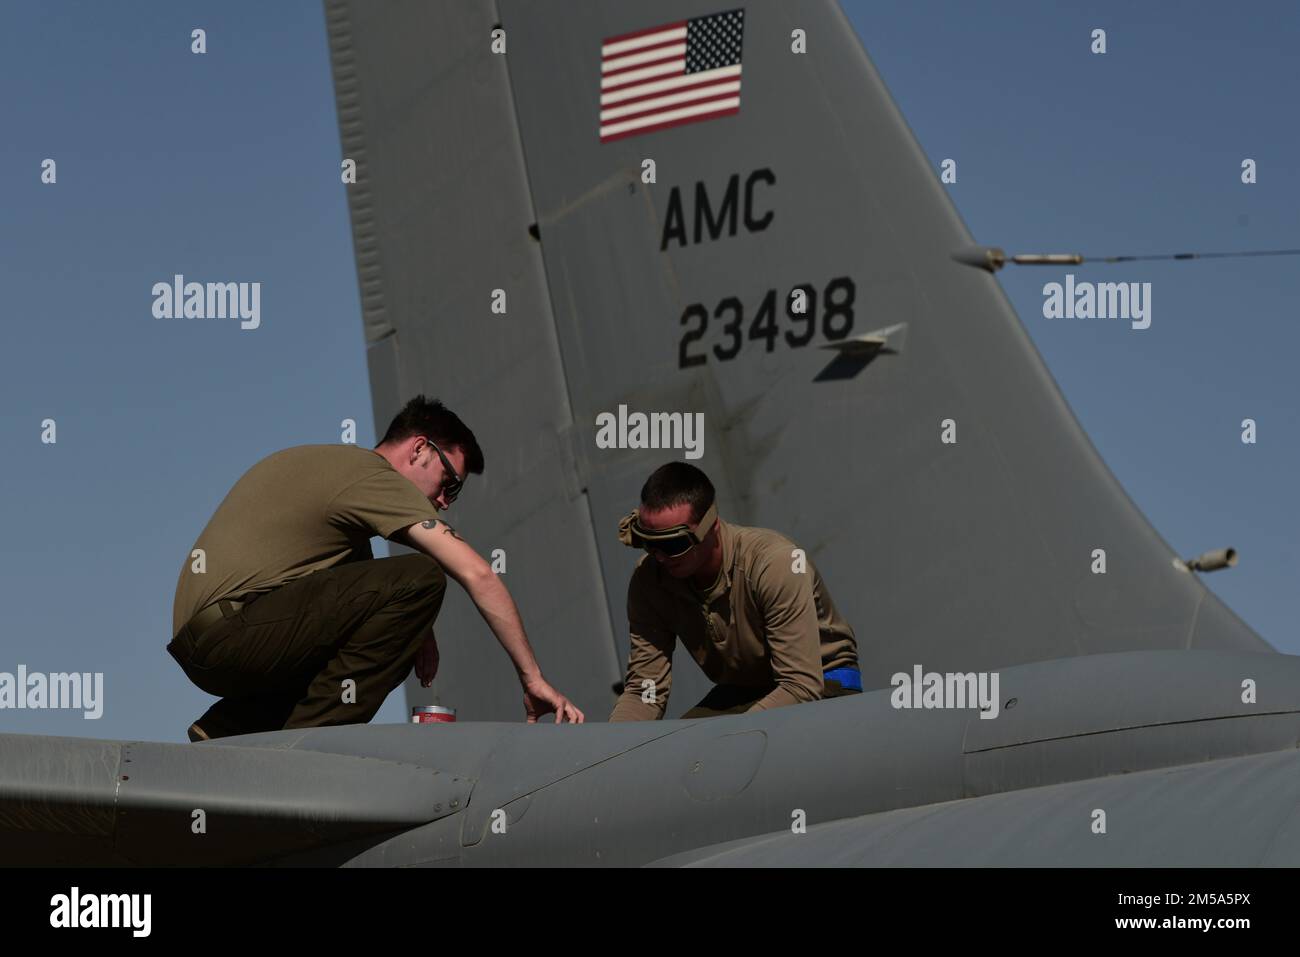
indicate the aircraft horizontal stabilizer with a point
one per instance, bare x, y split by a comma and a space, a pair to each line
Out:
117, 803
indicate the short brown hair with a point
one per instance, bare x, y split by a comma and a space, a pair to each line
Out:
433, 420
678, 483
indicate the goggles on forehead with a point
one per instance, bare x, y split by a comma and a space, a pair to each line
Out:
673, 542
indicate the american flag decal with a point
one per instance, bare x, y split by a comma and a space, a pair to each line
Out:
665, 76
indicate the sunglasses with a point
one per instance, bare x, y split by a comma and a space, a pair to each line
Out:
673, 542
451, 482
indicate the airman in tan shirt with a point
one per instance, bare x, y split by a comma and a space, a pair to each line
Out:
766, 631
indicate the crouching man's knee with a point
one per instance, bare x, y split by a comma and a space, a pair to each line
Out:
431, 577
423, 578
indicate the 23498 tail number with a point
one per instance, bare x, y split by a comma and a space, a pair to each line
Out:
836, 320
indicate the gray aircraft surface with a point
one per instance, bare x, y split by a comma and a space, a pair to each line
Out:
1138, 721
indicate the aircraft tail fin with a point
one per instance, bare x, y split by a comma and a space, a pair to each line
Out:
652, 195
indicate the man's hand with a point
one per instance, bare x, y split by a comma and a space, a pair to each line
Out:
540, 698
426, 661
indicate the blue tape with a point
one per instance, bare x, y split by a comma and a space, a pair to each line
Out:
850, 678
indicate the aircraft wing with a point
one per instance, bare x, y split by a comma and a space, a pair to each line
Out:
74, 801
257, 799
1181, 766
1239, 812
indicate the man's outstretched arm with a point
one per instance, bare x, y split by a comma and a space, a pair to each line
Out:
467, 567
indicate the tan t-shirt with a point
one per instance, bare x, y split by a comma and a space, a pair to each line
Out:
295, 512
761, 624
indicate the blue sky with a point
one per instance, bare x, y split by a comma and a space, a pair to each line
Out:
226, 166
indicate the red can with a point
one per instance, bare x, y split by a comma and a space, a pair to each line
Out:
432, 714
